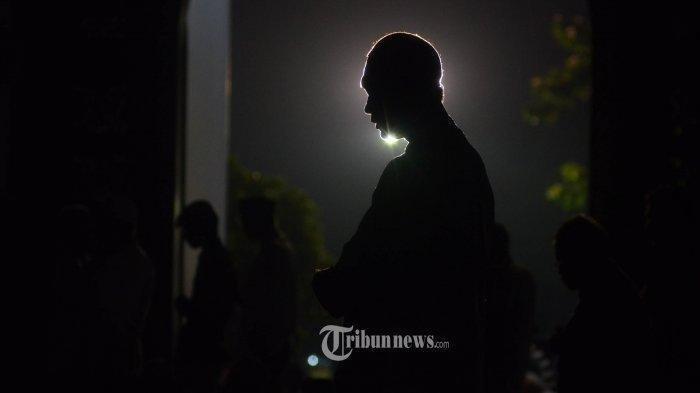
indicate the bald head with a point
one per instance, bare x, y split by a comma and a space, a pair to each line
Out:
403, 62
402, 79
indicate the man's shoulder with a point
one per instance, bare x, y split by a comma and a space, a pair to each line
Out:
460, 158
393, 170
397, 161
461, 148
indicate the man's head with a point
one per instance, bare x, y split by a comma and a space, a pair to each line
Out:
402, 79
199, 223
582, 250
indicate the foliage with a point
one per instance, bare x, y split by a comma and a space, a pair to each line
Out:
564, 87
299, 219
560, 91
571, 191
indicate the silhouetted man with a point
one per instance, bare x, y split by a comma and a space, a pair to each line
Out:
607, 344
74, 298
672, 285
416, 261
214, 296
268, 294
510, 308
124, 279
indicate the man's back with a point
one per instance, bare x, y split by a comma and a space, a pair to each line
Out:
426, 223
214, 295
414, 266
415, 262
124, 284
606, 345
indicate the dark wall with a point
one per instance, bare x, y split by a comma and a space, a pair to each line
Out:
95, 95
644, 112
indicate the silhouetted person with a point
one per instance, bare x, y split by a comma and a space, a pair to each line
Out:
73, 297
213, 301
672, 286
416, 261
607, 345
268, 293
510, 308
123, 278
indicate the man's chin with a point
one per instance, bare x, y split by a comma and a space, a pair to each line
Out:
385, 133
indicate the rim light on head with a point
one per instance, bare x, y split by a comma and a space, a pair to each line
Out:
389, 139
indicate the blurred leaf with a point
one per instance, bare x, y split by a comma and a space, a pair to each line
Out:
562, 87
570, 194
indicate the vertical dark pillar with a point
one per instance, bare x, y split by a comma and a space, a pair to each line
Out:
644, 112
96, 103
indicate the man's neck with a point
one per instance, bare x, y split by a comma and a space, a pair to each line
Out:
430, 128
432, 121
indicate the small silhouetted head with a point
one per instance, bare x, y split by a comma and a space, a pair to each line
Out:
402, 79
199, 223
582, 251
258, 217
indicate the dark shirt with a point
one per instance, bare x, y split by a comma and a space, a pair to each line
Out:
124, 281
415, 263
607, 345
269, 303
214, 295
510, 309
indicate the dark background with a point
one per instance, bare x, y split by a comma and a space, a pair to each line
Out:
93, 101
297, 108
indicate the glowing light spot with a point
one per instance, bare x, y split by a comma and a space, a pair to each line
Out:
312, 360
389, 139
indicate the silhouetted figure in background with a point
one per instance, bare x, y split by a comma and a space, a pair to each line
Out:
268, 295
123, 280
73, 297
672, 287
510, 308
607, 344
415, 264
213, 301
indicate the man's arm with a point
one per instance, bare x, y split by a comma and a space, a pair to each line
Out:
337, 287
